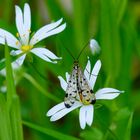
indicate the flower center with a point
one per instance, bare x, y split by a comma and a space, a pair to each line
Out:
26, 48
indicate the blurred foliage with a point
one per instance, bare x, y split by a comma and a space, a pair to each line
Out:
115, 24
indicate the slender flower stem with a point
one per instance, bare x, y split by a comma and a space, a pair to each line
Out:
39, 87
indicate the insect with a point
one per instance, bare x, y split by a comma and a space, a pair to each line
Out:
78, 87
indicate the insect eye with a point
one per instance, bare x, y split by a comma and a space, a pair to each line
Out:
66, 95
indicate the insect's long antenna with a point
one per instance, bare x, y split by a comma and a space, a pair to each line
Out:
82, 50
92, 74
68, 51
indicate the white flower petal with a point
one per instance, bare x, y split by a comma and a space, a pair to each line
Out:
44, 30
94, 73
94, 46
14, 53
87, 70
55, 109
107, 93
82, 117
27, 21
90, 113
67, 77
47, 34
27, 17
18, 62
63, 83
20, 23
64, 111
11, 40
15, 65
44, 54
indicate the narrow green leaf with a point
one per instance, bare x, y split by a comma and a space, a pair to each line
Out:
12, 100
15, 118
123, 123
49, 132
121, 7
128, 128
5, 129
9, 77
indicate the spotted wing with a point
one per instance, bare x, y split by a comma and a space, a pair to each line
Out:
86, 95
71, 91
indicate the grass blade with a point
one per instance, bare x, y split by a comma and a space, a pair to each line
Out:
12, 100
5, 129
49, 132
9, 77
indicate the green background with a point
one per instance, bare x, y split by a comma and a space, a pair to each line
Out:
115, 24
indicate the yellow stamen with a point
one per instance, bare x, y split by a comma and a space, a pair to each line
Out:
17, 42
29, 31
26, 48
17, 34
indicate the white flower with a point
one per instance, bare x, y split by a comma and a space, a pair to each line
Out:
86, 111
94, 46
24, 43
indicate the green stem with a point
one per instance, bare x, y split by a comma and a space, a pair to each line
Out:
38, 86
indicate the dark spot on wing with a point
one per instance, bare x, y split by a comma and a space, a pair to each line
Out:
91, 91
93, 101
67, 105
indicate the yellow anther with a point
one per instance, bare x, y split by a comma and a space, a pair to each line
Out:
17, 34
29, 31
17, 42
26, 48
